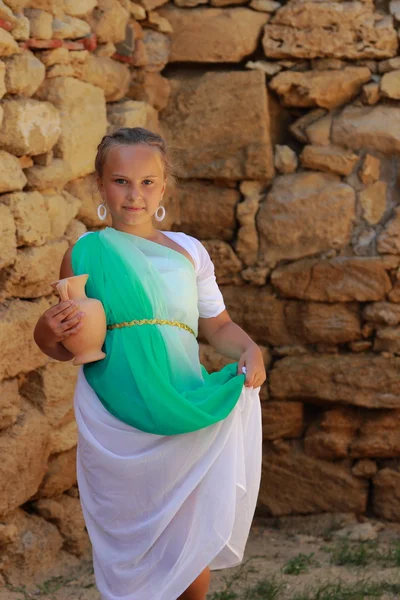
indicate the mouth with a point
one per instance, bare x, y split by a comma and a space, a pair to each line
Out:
132, 209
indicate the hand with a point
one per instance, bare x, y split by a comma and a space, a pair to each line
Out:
252, 359
59, 322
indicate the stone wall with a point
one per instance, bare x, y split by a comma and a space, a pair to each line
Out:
285, 126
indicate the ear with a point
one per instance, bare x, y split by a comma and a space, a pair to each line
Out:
100, 186
163, 188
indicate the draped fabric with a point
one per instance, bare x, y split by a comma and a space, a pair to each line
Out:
148, 380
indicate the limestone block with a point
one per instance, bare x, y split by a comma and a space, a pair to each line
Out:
40, 23
24, 74
111, 76
392, 64
25, 450
282, 420
387, 339
157, 48
6, 14
364, 468
69, 27
329, 29
80, 133
341, 279
108, 21
57, 56
34, 269
361, 380
371, 94
373, 201
390, 85
31, 219
267, 67
79, 9
285, 159
8, 45
268, 6
379, 436
227, 264
331, 435
159, 23
52, 390
231, 33
295, 483
152, 88
64, 438
34, 550
198, 121
60, 475
54, 175
194, 3
85, 188
247, 242
376, 127
8, 240
152, 4
62, 208
332, 159
386, 494
10, 402
29, 126
66, 513
12, 177
207, 210
318, 323
305, 213
389, 238
370, 170
21, 29
54, 7
327, 89
132, 114
383, 313
211, 359
137, 11
299, 127
74, 231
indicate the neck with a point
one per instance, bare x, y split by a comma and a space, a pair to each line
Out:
144, 230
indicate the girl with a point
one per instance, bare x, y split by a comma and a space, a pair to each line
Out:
169, 456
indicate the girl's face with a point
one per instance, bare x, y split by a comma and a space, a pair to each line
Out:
132, 184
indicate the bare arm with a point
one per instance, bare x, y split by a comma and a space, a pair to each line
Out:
58, 322
230, 340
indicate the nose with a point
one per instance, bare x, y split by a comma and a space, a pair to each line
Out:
133, 193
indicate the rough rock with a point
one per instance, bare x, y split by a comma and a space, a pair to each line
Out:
305, 213
12, 177
282, 420
362, 380
198, 120
387, 339
330, 436
74, 231
8, 45
383, 313
65, 437
339, 279
18, 352
85, 188
8, 239
62, 208
373, 201
19, 136
370, 169
40, 23
34, 549
329, 29
327, 89
24, 450
79, 9
379, 436
318, 323
268, 6
108, 21
10, 402
30, 216
207, 210
80, 133
34, 269
268, 67
247, 242
386, 494
54, 175
151, 88
109, 75
24, 74
362, 532
159, 23
364, 468
60, 475
295, 483
376, 128
285, 159
392, 64
157, 47
54, 7
227, 264
69, 27
232, 33
371, 94
131, 113
389, 238
332, 159
390, 85
56, 56
22, 28
299, 127
152, 4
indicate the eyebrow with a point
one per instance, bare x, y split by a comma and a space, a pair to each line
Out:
120, 175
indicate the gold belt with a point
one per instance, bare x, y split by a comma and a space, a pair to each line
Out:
152, 322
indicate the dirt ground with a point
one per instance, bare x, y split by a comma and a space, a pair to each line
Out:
314, 558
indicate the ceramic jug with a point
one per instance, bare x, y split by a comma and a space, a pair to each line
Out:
86, 343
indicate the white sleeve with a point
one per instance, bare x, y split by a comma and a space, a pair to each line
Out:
210, 300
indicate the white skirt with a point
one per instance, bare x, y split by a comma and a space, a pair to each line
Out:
159, 509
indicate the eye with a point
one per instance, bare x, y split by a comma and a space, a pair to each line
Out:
120, 181
147, 181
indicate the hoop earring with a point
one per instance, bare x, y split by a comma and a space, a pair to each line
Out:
102, 211
160, 217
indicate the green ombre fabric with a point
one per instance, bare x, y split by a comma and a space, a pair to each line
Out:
151, 377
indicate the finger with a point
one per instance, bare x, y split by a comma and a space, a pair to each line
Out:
240, 367
67, 313
58, 308
71, 322
71, 331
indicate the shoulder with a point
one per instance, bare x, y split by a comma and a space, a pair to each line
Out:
193, 246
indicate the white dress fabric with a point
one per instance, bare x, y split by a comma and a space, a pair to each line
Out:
159, 509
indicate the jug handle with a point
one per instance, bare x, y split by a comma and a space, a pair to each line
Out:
62, 289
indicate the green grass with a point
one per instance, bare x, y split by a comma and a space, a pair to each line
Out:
342, 591
361, 554
266, 589
299, 564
